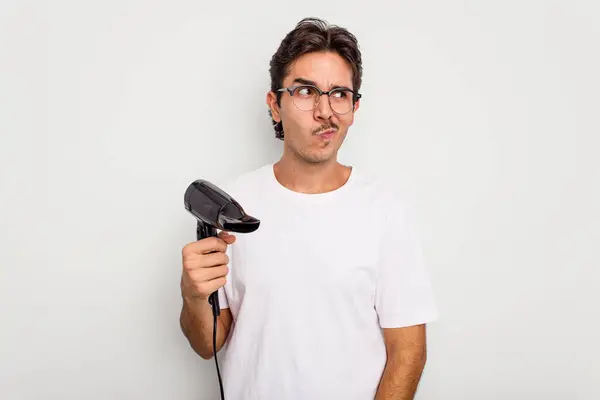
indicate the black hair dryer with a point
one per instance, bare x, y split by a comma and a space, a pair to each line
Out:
214, 209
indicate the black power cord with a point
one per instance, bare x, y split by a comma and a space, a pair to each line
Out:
216, 309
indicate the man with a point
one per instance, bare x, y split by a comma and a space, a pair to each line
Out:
329, 298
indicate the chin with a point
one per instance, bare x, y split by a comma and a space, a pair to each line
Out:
314, 154
317, 157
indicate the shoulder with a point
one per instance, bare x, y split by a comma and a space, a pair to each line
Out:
245, 184
383, 189
389, 200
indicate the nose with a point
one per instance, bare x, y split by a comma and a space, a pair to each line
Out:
323, 109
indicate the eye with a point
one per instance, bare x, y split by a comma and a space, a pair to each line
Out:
305, 91
340, 94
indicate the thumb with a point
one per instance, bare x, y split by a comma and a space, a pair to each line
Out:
227, 237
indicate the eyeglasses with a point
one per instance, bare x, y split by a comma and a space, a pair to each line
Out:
307, 98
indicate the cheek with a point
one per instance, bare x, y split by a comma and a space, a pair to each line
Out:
296, 119
347, 120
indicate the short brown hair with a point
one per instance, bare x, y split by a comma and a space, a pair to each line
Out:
313, 35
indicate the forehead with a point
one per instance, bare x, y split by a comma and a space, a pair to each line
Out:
326, 69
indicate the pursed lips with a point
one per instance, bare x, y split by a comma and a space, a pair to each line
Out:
328, 133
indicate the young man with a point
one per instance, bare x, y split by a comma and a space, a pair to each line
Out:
329, 298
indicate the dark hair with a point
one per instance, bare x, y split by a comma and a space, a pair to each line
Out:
313, 35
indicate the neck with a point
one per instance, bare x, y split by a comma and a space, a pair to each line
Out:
310, 178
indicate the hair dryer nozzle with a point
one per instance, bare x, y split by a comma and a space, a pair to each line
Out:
246, 224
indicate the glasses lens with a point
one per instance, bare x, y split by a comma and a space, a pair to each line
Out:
305, 97
341, 101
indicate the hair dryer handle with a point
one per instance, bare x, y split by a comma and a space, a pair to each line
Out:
203, 231
213, 299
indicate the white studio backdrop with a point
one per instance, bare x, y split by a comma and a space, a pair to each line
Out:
486, 113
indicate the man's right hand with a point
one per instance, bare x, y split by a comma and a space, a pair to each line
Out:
205, 266
204, 272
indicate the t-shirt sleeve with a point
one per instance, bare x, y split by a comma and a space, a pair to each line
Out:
223, 302
404, 294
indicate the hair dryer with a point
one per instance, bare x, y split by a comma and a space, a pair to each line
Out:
214, 209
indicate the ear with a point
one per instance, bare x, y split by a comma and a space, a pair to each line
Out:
272, 103
357, 105
353, 113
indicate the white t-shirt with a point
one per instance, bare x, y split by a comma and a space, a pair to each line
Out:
312, 288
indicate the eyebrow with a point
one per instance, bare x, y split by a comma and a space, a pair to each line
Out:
304, 81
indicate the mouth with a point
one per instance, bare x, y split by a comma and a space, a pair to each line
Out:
328, 134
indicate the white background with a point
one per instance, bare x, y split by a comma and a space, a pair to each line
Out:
486, 111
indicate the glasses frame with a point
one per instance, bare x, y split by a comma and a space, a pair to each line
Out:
356, 96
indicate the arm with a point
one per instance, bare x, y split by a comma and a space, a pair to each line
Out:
406, 356
205, 267
405, 303
197, 323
